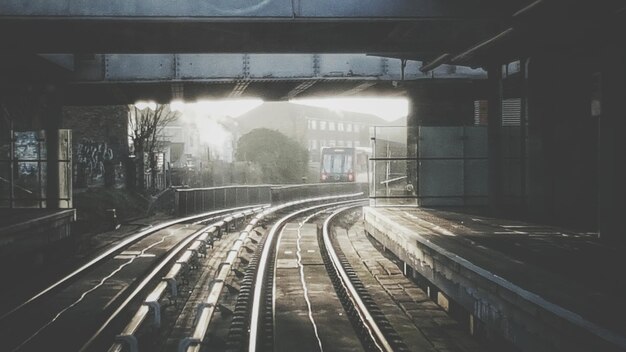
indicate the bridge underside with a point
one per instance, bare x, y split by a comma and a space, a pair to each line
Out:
414, 39
126, 78
164, 92
349, 26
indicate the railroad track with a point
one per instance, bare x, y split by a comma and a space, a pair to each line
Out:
263, 279
141, 326
290, 303
117, 301
64, 315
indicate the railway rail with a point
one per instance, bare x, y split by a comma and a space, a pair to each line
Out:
271, 319
63, 313
290, 286
149, 311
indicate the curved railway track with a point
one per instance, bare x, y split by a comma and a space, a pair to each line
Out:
65, 313
293, 304
289, 284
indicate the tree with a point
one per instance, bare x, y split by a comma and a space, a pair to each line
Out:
145, 126
282, 159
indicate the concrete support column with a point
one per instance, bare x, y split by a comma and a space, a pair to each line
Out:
540, 138
562, 142
412, 137
52, 117
612, 147
494, 133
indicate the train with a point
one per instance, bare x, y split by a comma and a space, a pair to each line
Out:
344, 164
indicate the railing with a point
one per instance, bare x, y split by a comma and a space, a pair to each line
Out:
160, 184
168, 286
194, 200
287, 193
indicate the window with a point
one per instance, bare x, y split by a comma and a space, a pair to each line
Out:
313, 144
349, 143
357, 143
313, 124
348, 127
339, 126
322, 125
331, 143
340, 143
331, 126
337, 163
357, 128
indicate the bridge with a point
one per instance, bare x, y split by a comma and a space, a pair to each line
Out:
501, 201
248, 26
265, 76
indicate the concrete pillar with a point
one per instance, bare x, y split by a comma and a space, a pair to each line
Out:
51, 119
494, 132
412, 137
540, 137
562, 142
443, 103
612, 147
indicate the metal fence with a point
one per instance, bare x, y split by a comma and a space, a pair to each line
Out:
196, 200
287, 193
160, 183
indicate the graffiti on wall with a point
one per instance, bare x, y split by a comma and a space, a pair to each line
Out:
92, 162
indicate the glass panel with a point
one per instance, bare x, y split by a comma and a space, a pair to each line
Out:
27, 145
392, 185
28, 184
28, 181
394, 173
391, 142
337, 164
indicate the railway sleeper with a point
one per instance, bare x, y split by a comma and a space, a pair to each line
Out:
381, 320
233, 285
237, 334
244, 259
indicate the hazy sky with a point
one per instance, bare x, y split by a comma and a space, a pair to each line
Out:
386, 108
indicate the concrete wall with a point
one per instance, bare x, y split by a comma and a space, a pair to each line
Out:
98, 132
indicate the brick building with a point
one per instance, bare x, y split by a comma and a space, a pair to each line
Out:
313, 127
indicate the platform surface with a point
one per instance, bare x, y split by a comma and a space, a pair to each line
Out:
571, 270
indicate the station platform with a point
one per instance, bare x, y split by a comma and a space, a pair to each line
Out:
539, 287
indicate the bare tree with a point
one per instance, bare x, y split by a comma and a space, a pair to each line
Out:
145, 128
